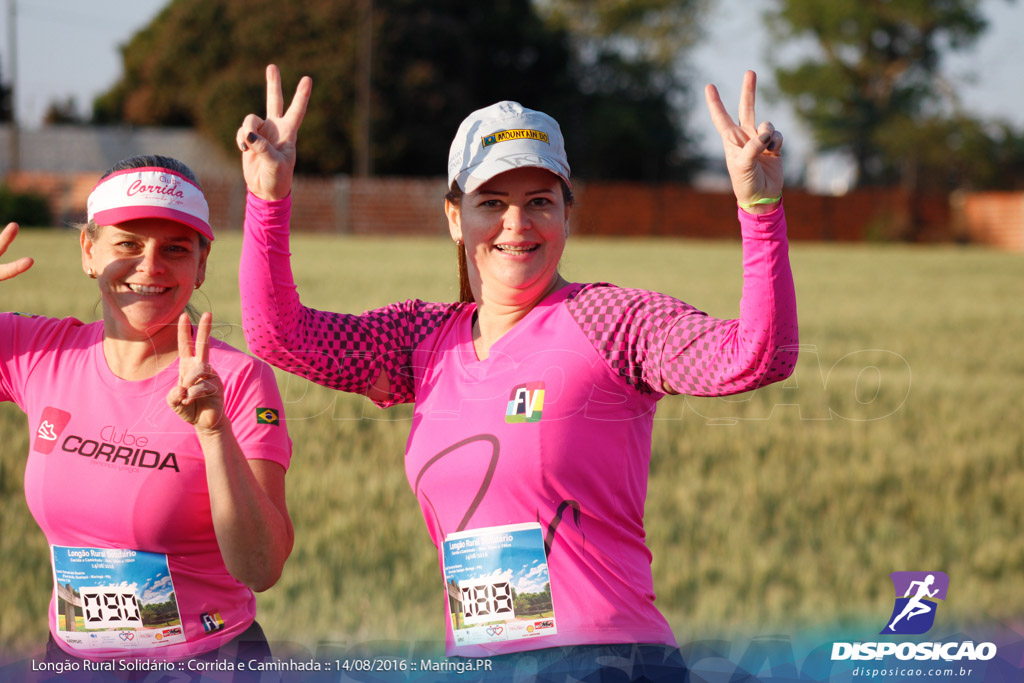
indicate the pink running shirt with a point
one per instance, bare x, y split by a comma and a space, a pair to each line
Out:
553, 429
117, 482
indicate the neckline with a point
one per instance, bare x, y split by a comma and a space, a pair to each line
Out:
127, 387
467, 350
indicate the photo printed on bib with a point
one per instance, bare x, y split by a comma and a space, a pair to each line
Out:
109, 598
498, 585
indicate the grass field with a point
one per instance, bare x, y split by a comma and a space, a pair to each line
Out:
896, 445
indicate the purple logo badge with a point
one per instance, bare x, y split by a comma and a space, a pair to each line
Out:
917, 596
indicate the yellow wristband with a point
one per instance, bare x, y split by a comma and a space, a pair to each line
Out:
762, 200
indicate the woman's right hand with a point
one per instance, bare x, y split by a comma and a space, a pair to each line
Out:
9, 270
268, 145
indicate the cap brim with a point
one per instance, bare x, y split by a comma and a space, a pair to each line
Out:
471, 179
123, 214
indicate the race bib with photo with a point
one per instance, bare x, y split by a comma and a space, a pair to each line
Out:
109, 598
498, 584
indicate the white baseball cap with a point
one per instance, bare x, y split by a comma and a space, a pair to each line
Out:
149, 192
501, 137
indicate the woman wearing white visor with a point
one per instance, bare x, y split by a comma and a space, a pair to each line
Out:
157, 460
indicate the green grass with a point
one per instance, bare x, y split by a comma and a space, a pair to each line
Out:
896, 445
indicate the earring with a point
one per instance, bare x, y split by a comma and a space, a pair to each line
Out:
458, 243
91, 273
199, 283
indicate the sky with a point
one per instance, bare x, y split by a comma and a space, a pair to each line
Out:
71, 48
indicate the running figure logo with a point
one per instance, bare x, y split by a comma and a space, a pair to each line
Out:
51, 423
914, 612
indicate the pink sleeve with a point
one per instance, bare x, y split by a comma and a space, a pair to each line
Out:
24, 340
341, 351
651, 339
253, 405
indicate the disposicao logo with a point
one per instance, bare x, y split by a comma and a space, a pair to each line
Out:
913, 613
917, 596
51, 424
525, 403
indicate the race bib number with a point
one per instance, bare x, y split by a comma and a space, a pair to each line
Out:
111, 598
498, 584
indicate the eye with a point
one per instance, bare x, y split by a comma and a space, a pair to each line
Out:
492, 203
541, 201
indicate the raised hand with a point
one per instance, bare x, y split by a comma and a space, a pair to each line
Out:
15, 268
752, 152
198, 398
268, 145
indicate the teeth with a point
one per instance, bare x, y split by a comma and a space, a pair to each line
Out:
146, 289
509, 249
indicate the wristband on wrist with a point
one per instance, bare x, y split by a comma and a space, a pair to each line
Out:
762, 200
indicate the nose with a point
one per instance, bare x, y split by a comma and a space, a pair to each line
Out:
516, 218
151, 261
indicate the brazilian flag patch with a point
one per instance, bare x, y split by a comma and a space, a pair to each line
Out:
267, 416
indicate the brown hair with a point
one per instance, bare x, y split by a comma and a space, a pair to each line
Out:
454, 196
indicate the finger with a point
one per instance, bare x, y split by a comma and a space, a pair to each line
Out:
9, 270
775, 146
175, 397
185, 352
250, 124
719, 116
275, 100
199, 390
747, 96
764, 135
15, 268
7, 236
196, 372
203, 338
297, 109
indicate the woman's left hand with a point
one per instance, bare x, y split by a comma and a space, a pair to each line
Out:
752, 152
198, 397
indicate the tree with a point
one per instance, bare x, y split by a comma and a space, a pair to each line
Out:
6, 103
876, 76
201, 63
62, 112
631, 52
658, 32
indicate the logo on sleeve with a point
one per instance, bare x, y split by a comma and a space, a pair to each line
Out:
917, 594
525, 403
51, 424
267, 416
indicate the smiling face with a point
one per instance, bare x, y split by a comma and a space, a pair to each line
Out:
514, 228
146, 270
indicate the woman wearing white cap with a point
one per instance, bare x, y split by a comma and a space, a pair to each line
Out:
534, 397
157, 461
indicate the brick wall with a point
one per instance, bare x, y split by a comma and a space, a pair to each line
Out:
414, 206
994, 218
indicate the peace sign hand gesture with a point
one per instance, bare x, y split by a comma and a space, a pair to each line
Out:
751, 151
9, 270
268, 145
198, 398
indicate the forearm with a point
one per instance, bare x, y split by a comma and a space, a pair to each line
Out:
332, 349
768, 334
704, 356
250, 517
270, 302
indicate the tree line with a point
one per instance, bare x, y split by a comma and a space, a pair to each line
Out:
393, 78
